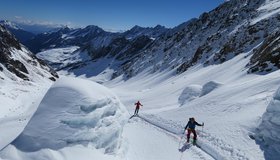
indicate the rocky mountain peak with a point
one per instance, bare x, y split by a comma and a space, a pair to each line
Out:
17, 62
9, 24
93, 29
8, 40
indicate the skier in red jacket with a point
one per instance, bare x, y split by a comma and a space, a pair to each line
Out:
191, 129
138, 104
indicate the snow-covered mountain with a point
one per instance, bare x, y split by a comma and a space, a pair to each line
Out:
213, 38
221, 68
31, 26
89, 38
152, 32
21, 34
93, 44
66, 37
19, 63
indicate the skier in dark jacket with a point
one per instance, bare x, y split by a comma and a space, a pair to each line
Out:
138, 104
191, 129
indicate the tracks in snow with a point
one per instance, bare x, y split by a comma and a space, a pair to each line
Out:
216, 148
176, 136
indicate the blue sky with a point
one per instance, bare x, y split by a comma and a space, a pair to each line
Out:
108, 14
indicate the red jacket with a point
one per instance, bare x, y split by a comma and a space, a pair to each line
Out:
138, 104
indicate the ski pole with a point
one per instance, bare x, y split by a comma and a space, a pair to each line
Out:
181, 139
180, 142
202, 128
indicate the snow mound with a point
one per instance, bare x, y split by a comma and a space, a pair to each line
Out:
190, 93
209, 87
268, 134
75, 112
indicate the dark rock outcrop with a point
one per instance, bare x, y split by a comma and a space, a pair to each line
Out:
15, 58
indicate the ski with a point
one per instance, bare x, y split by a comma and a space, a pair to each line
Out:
197, 145
133, 116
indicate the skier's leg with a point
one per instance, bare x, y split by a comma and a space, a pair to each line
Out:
188, 135
194, 136
135, 112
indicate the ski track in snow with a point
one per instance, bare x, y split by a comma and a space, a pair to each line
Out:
200, 153
177, 137
208, 143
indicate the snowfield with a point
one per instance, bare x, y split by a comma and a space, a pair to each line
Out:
19, 100
146, 141
62, 57
80, 119
228, 100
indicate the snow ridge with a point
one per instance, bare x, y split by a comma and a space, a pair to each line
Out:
75, 115
268, 132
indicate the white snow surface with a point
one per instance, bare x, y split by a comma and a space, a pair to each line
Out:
19, 99
231, 109
75, 115
209, 87
190, 93
62, 57
69, 123
269, 9
229, 101
73, 62
268, 133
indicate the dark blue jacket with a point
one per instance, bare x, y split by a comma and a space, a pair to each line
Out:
192, 125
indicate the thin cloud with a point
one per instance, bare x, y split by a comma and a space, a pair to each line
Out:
50, 24
18, 17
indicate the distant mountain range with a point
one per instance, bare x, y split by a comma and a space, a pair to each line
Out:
233, 28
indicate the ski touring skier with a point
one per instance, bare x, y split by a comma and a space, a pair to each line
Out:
137, 104
190, 127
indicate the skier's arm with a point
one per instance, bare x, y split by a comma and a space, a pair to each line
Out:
187, 125
199, 124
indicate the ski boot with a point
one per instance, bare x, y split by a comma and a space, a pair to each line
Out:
194, 142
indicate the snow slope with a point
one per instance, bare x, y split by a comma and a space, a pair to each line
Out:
60, 58
268, 9
79, 119
75, 116
231, 111
73, 62
24, 80
147, 142
231, 102
19, 101
226, 98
